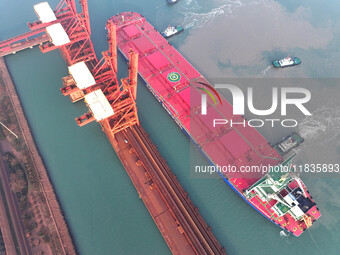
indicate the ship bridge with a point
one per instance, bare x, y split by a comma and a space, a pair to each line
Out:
274, 188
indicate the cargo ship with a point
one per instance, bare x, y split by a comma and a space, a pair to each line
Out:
280, 196
288, 61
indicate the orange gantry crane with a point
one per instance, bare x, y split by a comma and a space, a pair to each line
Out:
122, 110
110, 103
68, 30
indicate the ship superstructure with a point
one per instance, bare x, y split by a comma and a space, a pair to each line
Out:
170, 31
288, 61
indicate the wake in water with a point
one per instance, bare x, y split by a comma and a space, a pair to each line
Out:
161, 5
264, 72
315, 242
285, 236
191, 5
195, 19
323, 120
283, 233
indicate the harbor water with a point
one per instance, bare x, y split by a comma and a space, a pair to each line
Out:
222, 39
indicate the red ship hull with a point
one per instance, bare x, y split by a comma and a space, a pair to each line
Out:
171, 79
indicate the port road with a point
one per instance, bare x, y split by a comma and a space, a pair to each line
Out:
14, 211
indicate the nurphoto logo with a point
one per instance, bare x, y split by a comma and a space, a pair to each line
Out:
288, 96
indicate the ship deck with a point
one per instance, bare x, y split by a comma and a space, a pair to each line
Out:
223, 145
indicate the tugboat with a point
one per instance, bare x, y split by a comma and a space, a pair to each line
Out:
288, 61
170, 31
288, 143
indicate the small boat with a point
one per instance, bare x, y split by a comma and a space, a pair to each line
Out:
171, 1
288, 61
170, 31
